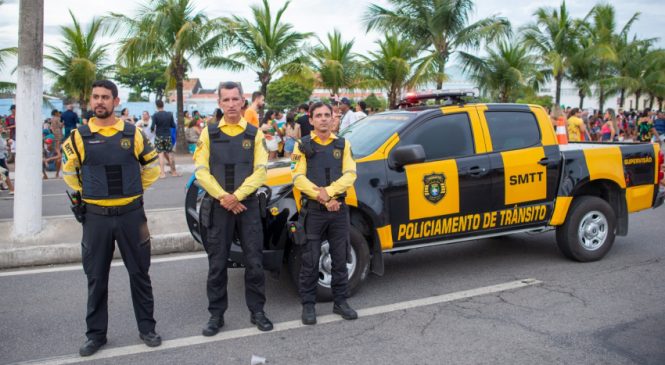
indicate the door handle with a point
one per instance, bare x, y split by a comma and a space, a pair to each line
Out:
544, 161
477, 171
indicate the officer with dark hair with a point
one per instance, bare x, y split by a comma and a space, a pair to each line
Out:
323, 169
231, 158
110, 164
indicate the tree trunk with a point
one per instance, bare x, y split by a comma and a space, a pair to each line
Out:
638, 94
557, 97
601, 98
181, 142
264, 79
392, 96
652, 98
29, 91
622, 97
439, 77
660, 103
582, 96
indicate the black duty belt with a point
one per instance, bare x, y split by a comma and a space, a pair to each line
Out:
315, 205
117, 210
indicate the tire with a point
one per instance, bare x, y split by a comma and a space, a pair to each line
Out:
589, 230
358, 268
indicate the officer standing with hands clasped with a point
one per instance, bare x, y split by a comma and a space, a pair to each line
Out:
231, 158
323, 169
109, 164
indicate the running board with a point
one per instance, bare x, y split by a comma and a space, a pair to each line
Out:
473, 238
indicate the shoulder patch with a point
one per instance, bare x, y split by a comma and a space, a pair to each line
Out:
295, 157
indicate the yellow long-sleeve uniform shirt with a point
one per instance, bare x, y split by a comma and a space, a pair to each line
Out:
337, 187
146, 156
202, 162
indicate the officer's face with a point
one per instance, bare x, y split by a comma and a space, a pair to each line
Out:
230, 101
102, 102
321, 119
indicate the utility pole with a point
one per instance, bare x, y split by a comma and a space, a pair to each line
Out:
29, 91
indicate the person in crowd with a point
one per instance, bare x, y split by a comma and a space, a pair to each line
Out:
230, 173
252, 113
124, 115
4, 154
576, 127
272, 133
347, 116
52, 158
144, 125
70, 119
162, 123
56, 127
302, 118
608, 131
219, 114
193, 131
291, 133
361, 110
645, 129
10, 122
659, 124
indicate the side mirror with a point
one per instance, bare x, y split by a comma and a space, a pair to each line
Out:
408, 154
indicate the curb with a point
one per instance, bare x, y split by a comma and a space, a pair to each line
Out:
64, 253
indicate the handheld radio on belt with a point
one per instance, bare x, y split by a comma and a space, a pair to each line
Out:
78, 206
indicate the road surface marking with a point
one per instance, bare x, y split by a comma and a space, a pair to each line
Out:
116, 262
109, 353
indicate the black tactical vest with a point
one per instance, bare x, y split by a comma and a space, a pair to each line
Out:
324, 163
110, 169
231, 158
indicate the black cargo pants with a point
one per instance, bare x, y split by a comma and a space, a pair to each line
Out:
218, 243
130, 231
335, 226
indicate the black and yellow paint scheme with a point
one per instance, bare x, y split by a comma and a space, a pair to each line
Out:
487, 188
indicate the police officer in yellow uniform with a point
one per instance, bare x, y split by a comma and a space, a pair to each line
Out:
111, 164
231, 158
323, 169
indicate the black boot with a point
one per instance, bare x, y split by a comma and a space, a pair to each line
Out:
344, 310
213, 326
91, 346
308, 314
151, 339
261, 321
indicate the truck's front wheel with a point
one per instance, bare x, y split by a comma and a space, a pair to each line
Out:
357, 266
589, 230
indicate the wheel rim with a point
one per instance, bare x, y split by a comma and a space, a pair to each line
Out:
593, 230
325, 265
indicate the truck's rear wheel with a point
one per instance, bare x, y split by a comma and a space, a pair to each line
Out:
589, 230
357, 266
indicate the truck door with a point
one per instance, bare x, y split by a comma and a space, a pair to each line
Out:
438, 199
524, 168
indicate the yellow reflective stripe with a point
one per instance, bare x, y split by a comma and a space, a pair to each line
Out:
69, 173
385, 237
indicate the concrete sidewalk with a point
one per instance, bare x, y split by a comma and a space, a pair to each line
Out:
60, 240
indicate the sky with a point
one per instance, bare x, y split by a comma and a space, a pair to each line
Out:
319, 17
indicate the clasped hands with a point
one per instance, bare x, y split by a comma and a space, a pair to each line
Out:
331, 204
232, 204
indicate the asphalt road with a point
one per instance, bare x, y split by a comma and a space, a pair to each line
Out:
606, 312
165, 193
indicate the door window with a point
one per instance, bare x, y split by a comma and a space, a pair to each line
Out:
512, 130
443, 137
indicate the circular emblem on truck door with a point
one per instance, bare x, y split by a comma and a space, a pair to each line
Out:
435, 187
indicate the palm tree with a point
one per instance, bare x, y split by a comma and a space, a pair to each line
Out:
655, 77
438, 27
80, 61
553, 37
392, 66
175, 32
580, 71
507, 70
265, 44
6, 86
335, 63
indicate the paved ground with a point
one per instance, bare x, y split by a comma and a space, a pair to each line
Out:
607, 312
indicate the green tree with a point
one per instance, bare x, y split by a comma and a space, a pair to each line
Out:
553, 36
285, 94
6, 86
176, 32
79, 61
438, 27
392, 66
506, 71
580, 71
334, 62
148, 78
265, 44
376, 103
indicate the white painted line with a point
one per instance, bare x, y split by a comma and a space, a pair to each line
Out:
50, 195
116, 262
284, 326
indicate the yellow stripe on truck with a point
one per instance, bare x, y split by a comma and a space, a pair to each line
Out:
385, 237
605, 163
525, 180
639, 197
560, 210
447, 200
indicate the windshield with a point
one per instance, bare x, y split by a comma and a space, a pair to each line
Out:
368, 134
